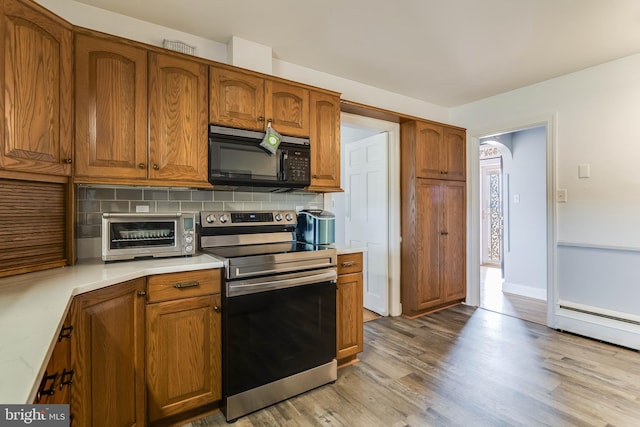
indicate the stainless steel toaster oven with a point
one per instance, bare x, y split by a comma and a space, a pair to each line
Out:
127, 236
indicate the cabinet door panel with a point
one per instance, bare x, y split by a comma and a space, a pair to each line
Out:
37, 92
455, 153
325, 142
183, 355
177, 119
288, 107
111, 109
236, 99
349, 313
429, 211
108, 356
453, 243
429, 140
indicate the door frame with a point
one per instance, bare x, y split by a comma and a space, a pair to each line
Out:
393, 188
473, 206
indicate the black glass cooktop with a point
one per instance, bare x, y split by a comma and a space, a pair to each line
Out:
264, 249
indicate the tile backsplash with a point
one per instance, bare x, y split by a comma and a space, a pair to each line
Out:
92, 201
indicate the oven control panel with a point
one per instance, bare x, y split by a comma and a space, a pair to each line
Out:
235, 219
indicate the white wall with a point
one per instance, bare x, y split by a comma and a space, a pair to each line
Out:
525, 261
596, 122
112, 23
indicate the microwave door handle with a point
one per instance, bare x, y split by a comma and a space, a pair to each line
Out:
283, 165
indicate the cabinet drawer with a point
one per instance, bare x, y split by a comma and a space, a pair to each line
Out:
164, 287
350, 263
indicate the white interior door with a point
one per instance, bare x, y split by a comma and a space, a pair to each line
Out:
367, 217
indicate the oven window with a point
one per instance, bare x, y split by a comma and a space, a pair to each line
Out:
272, 335
246, 160
141, 234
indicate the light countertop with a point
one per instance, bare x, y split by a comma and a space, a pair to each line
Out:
33, 307
342, 250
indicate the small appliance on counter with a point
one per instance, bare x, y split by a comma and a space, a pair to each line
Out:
127, 236
316, 226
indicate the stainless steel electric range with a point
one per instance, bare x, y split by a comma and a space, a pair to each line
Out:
279, 308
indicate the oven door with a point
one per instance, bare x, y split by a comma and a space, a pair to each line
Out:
273, 334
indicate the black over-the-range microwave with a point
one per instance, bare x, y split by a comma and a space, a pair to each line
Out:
236, 159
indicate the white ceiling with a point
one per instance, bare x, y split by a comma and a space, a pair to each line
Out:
447, 52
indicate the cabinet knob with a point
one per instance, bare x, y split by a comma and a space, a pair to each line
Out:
142, 293
444, 233
261, 119
216, 309
68, 161
156, 167
142, 166
315, 176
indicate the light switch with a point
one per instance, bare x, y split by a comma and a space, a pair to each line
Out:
561, 196
516, 198
584, 170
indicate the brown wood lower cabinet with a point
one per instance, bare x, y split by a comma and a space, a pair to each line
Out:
58, 377
108, 356
181, 358
183, 343
349, 308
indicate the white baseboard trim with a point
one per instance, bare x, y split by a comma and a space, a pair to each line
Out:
525, 291
600, 328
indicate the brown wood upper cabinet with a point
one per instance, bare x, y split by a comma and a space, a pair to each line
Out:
111, 108
325, 142
247, 100
440, 152
178, 105
36, 124
121, 91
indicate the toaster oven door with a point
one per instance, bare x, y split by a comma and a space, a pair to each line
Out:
132, 238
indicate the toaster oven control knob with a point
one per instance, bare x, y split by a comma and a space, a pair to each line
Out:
188, 239
188, 248
223, 219
288, 217
211, 219
278, 217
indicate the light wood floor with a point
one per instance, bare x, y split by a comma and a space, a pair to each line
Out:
468, 367
492, 298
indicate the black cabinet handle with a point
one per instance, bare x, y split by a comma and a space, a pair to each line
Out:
65, 332
51, 389
66, 378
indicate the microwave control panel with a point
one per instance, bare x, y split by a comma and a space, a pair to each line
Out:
298, 166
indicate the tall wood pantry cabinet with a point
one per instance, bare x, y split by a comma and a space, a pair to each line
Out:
433, 258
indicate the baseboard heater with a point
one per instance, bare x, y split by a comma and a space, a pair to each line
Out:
591, 312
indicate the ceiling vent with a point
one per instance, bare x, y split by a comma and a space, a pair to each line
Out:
179, 46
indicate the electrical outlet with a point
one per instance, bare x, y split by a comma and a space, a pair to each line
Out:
561, 196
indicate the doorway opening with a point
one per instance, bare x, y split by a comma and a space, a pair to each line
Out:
513, 223
368, 212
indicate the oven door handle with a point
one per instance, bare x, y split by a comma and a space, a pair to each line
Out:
264, 284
